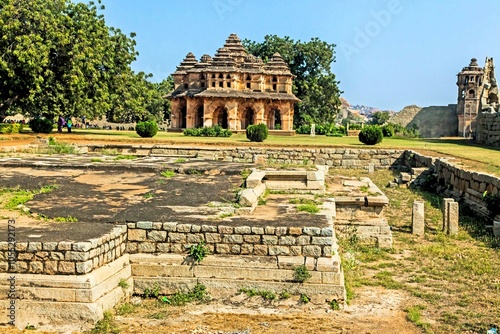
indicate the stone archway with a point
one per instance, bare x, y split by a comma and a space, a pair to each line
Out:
274, 119
247, 117
199, 117
220, 117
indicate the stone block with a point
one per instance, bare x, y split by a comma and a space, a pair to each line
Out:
176, 237
287, 240
82, 246
261, 250
257, 230
331, 278
136, 235
322, 241
235, 249
295, 250
226, 229
303, 240
50, 267
146, 247
312, 230
76, 256
184, 228
453, 217
34, 246
157, 226
251, 239
222, 249
255, 179
371, 168
49, 246
315, 176
242, 230
36, 267
232, 239
195, 238
270, 230
295, 230
281, 230
269, 240
209, 228
84, 267
279, 250
418, 221
65, 267
445, 213
246, 249
248, 198
144, 225
213, 238
156, 235
169, 227
312, 251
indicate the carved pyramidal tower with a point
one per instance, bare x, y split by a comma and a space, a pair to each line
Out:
470, 84
233, 89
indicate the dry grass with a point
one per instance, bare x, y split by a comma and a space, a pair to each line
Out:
453, 280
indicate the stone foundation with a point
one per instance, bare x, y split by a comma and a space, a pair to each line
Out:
228, 274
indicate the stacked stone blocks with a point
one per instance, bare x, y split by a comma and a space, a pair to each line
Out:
65, 257
173, 237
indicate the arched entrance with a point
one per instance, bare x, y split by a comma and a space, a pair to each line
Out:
220, 117
183, 117
274, 119
247, 117
198, 121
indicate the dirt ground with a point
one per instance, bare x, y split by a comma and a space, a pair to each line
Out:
373, 310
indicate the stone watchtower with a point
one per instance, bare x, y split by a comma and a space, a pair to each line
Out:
470, 84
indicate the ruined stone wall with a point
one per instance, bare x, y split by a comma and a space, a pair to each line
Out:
65, 257
488, 129
459, 183
333, 157
171, 237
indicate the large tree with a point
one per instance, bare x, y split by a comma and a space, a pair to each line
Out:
60, 57
315, 83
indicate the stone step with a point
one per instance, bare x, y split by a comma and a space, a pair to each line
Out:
170, 285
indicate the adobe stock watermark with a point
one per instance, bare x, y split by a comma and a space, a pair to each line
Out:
373, 28
222, 7
12, 266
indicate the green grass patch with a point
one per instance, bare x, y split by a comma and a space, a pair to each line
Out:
168, 173
67, 219
96, 160
265, 294
311, 208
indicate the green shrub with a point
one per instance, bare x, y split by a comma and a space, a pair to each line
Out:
257, 132
198, 252
11, 128
301, 274
147, 129
41, 125
492, 203
371, 135
212, 131
388, 130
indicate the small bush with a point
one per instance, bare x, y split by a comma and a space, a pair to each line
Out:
492, 203
371, 135
387, 130
198, 252
212, 131
301, 274
41, 125
257, 132
11, 128
147, 129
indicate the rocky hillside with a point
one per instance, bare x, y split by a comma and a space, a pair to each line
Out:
432, 122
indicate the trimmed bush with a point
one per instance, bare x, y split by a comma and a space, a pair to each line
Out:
387, 130
212, 131
11, 128
146, 129
371, 135
257, 132
41, 125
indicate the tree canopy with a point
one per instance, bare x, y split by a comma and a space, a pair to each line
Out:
380, 117
315, 84
59, 57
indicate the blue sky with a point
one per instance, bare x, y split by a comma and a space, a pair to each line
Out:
390, 53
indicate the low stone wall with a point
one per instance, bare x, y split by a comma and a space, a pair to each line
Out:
171, 237
333, 157
459, 183
488, 129
64, 257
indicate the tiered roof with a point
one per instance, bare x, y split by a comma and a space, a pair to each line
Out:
233, 57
